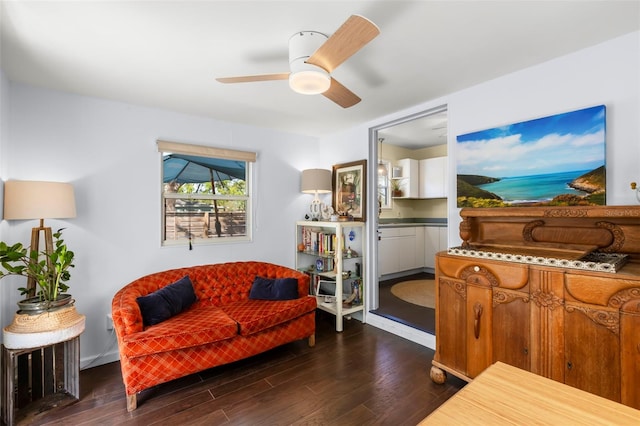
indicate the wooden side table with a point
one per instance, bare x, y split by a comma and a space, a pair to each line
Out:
36, 379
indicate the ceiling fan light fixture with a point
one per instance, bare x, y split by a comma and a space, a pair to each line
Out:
307, 79
310, 82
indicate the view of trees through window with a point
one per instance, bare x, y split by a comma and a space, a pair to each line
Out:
205, 199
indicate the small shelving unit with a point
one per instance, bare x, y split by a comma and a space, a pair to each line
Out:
333, 254
409, 180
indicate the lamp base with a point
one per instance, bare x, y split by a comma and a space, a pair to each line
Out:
35, 245
315, 209
319, 211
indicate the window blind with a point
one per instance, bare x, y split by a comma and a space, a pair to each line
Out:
205, 151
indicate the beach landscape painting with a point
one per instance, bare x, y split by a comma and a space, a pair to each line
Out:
552, 161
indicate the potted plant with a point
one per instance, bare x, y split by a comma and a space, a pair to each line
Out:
396, 191
50, 271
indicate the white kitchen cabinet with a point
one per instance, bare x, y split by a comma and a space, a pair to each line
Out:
400, 249
435, 240
387, 262
433, 177
410, 180
423, 178
419, 247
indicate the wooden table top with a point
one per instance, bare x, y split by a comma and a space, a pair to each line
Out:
506, 395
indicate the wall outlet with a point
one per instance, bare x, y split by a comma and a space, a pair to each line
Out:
109, 322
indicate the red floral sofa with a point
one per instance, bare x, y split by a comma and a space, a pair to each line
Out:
222, 326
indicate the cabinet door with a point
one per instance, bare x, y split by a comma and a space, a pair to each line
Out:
483, 332
592, 350
406, 248
435, 240
410, 182
511, 328
387, 252
397, 250
433, 177
630, 353
419, 247
451, 313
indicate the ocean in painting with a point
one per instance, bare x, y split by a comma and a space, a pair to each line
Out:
532, 188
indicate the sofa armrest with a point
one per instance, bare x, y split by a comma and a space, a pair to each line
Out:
303, 284
127, 317
126, 314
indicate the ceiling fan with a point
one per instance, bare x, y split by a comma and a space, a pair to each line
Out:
313, 56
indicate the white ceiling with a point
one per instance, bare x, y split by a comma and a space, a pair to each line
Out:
416, 133
166, 54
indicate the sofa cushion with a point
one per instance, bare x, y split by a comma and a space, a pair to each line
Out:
166, 302
274, 289
253, 316
199, 325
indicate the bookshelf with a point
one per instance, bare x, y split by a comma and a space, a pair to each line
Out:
333, 254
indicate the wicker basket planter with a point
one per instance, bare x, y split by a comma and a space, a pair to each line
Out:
46, 328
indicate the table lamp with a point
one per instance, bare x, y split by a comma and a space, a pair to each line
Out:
316, 181
25, 200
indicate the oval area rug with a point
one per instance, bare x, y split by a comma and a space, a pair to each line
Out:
418, 292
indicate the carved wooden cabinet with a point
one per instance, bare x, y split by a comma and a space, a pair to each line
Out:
487, 301
530, 298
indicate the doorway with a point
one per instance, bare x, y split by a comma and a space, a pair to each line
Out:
417, 137
401, 310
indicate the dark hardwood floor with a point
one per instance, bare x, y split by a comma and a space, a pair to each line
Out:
389, 306
362, 376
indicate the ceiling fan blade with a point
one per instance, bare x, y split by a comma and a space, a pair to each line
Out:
251, 78
347, 40
341, 95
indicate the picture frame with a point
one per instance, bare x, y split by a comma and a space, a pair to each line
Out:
349, 197
557, 160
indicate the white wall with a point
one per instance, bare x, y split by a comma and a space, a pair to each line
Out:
608, 73
4, 126
108, 151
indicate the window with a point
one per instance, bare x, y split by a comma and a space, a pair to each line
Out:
384, 190
206, 194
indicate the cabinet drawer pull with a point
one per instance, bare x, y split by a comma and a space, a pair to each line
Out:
569, 365
477, 310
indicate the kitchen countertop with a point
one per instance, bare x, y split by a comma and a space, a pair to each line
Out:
406, 222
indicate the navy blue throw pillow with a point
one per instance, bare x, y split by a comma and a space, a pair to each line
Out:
274, 289
167, 302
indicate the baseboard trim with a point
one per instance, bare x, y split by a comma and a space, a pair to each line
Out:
404, 331
92, 361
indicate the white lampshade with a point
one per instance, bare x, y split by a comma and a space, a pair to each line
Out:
38, 200
315, 181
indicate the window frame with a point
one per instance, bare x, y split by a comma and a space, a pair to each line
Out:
164, 148
387, 202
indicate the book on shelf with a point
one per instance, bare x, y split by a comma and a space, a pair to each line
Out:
318, 241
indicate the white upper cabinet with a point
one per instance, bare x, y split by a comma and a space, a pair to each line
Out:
410, 180
422, 178
433, 178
